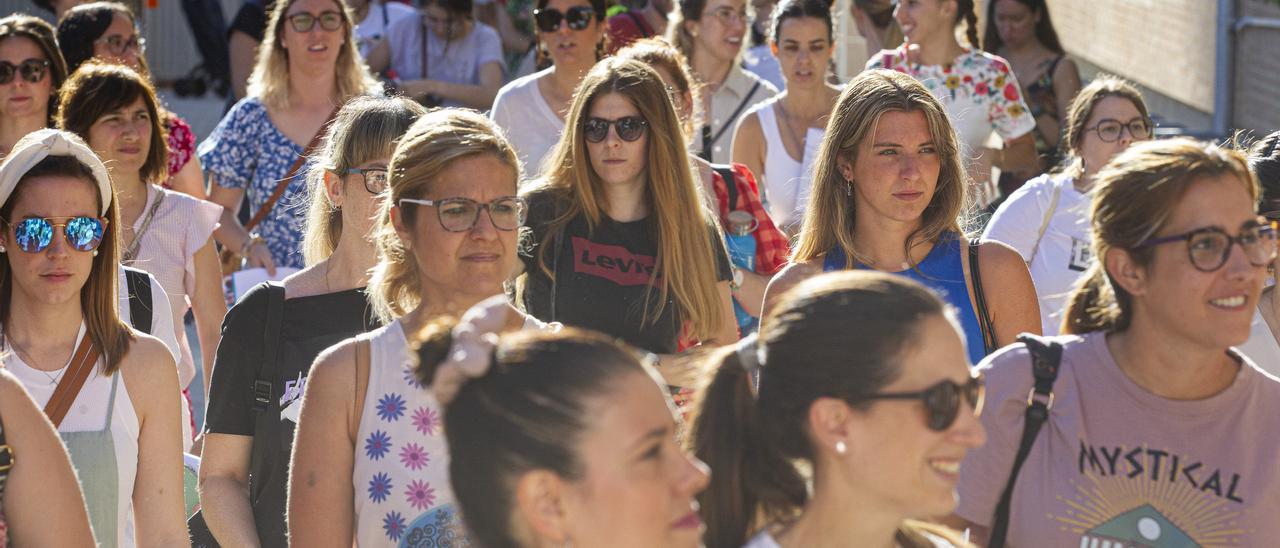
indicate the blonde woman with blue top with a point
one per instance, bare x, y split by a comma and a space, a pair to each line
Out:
889, 189
112, 392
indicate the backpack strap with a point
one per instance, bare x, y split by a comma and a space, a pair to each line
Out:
265, 407
730, 183
1046, 358
980, 299
140, 309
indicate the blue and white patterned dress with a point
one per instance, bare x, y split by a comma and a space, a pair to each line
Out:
247, 151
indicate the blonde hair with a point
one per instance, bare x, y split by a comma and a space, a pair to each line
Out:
1134, 196
270, 79
687, 265
829, 219
431, 145
365, 129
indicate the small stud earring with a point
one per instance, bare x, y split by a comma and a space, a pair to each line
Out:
95, 253
2, 249
841, 448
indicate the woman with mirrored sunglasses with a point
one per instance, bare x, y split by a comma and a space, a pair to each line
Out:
620, 239
860, 376
1047, 219
532, 109
117, 397
443, 57
1263, 346
243, 497
300, 80
108, 32
370, 461
168, 234
31, 73
1152, 413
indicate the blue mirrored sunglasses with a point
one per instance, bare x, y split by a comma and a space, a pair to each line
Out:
35, 234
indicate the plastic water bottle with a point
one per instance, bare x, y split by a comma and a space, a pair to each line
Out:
742, 253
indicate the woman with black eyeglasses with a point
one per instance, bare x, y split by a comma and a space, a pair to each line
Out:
31, 72
861, 376
620, 239
531, 110
1158, 432
442, 57
307, 69
1047, 220
245, 463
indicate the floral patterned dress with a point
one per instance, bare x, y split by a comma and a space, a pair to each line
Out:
247, 151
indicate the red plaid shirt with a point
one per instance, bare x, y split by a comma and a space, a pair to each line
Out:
772, 246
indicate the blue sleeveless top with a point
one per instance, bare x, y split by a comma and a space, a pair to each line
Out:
942, 271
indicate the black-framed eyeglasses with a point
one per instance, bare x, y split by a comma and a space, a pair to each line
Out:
118, 45
629, 128
32, 70
1110, 130
461, 214
577, 17
304, 21
1210, 247
375, 178
942, 400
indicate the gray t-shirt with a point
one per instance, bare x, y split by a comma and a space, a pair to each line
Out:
457, 61
1116, 465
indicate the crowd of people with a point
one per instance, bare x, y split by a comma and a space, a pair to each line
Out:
584, 272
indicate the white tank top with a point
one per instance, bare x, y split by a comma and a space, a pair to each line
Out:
401, 469
787, 181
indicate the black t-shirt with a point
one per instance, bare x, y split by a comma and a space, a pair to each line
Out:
309, 325
602, 276
251, 18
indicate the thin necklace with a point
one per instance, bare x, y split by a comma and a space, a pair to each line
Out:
26, 357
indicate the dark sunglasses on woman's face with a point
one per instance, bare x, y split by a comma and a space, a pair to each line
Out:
1210, 247
629, 128
305, 21
32, 70
942, 401
578, 17
34, 235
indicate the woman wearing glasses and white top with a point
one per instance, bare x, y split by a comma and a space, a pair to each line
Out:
531, 110
1157, 432
369, 460
114, 391
308, 67
709, 33
1047, 219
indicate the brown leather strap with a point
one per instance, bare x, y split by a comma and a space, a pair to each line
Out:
268, 205
82, 362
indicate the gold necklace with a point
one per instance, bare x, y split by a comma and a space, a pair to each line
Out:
26, 358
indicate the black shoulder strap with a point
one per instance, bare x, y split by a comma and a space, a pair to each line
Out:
730, 183
1046, 357
140, 309
264, 384
980, 300
6, 461
708, 139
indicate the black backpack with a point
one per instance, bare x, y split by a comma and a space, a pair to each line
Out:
140, 309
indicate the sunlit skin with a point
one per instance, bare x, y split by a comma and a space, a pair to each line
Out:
316, 49
922, 19
568, 47
53, 276
121, 29
897, 169
803, 50
1095, 152
615, 161
122, 138
721, 38
20, 98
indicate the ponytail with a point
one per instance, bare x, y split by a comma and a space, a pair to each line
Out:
1096, 304
751, 475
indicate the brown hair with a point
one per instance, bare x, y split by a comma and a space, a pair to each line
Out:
837, 335
829, 219
21, 25
658, 53
685, 262
432, 143
1133, 198
97, 89
98, 301
1081, 109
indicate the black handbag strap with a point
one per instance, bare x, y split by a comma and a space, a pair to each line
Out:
980, 300
708, 139
6, 463
266, 410
1046, 358
140, 309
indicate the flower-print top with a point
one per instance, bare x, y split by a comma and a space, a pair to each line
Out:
401, 469
182, 144
247, 151
978, 90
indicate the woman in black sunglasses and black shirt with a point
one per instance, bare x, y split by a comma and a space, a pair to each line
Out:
863, 376
621, 242
531, 110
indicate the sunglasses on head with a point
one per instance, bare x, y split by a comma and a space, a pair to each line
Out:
629, 128
32, 70
942, 400
34, 235
577, 17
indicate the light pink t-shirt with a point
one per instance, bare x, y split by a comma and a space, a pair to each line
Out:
1116, 465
